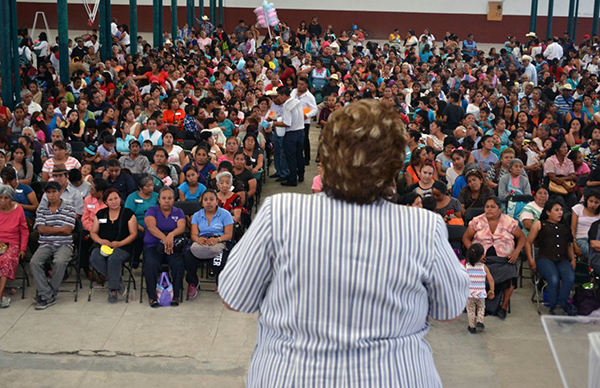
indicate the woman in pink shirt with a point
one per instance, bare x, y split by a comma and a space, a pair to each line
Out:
497, 233
14, 236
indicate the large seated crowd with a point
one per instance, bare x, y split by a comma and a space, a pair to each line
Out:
505, 143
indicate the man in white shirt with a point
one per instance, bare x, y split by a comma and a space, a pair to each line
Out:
32, 106
291, 126
309, 109
554, 50
530, 69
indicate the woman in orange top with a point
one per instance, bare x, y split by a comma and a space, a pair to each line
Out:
413, 172
174, 115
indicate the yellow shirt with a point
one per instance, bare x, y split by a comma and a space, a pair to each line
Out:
395, 38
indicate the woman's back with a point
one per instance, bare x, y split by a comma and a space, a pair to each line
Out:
343, 287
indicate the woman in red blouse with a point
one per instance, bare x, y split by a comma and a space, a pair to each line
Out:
174, 115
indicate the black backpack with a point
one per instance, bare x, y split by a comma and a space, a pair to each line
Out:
585, 301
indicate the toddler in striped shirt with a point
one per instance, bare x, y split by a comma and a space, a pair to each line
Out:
478, 273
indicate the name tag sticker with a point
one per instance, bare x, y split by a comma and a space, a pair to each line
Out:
139, 201
91, 206
18, 191
102, 220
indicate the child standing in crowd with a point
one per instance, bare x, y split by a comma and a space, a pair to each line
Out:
478, 272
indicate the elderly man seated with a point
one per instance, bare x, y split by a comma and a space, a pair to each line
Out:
55, 221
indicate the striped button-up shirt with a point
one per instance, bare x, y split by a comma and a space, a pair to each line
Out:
343, 292
64, 216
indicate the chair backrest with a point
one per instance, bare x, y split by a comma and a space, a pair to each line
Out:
181, 135
149, 155
14, 139
189, 207
177, 168
456, 232
77, 145
137, 177
189, 144
471, 213
78, 155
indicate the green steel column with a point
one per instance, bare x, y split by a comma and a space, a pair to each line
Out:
108, 30
533, 17
157, 34
574, 34
213, 12
220, 12
161, 19
63, 40
15, 45
190, 13
596, 17
133, 27
6, 56
174, 21
550, 14
201, 8
104, 27
571, 13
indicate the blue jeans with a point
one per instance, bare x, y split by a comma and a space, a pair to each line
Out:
152, 266
584, 245
555, 272
279, 157
293, 146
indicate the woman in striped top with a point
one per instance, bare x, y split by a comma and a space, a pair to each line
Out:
344, 280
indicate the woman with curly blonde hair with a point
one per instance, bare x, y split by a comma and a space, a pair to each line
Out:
344, 279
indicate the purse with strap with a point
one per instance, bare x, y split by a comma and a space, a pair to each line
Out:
560, 189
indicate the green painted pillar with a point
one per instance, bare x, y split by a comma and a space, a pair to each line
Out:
133, 26
575, 18
63, 40
201, 8
15, 45
533, 17
157, 33
161, 18
190, 13
213, 12
550, 15
220, 12
105, 33
174, 21
571, 14
6, 61
596, 17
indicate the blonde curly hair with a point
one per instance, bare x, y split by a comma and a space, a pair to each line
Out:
362, 150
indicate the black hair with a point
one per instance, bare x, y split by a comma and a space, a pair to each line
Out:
587, 196
74, 175
429, 203
410, 198
164, 169
441, 187
21, 147
475, 253
8, 173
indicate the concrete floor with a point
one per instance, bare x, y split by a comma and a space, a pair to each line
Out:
202, 344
